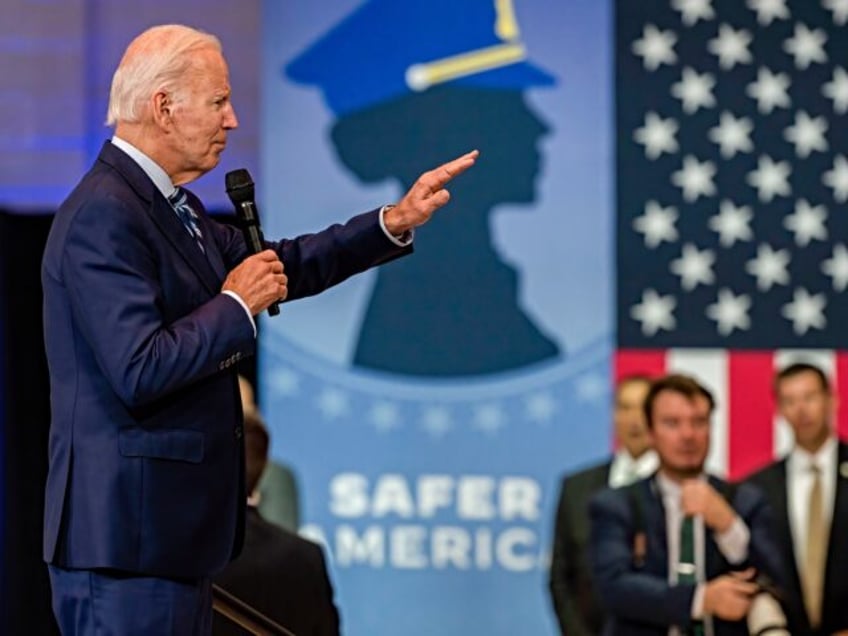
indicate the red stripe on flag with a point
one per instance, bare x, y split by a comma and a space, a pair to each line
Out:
750, 412
650, 362
841, 381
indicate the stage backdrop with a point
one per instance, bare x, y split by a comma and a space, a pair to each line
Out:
429, 407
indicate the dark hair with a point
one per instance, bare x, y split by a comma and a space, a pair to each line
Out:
255, 448
798, 368
677, 383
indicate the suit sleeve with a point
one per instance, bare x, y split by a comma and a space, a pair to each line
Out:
628, 592
314, 262
763, 550
111, 278
563, 574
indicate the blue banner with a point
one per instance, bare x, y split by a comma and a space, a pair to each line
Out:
429, 407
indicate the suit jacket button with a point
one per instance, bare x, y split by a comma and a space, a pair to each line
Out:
239, 431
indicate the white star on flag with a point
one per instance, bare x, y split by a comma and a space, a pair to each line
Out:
695, 178
694, 267
807, 134
732, 135
768, 10
839, 8
657, 224
837, 179
730, 312
770, 267
806, 46
694, 90
731, 47
657, 135
656, 47
837, 90
693, 10
807, 222
732, 223
771, 90
655, 312
770, 178
837, 267
806, 311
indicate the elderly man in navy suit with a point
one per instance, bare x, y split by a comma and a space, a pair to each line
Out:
148, 304
677, 553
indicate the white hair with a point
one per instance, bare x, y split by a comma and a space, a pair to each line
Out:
158, 59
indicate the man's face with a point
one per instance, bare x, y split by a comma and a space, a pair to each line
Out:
202, 115
631, 429
681, 433
808, 407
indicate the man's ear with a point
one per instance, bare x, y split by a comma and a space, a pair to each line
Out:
163, 105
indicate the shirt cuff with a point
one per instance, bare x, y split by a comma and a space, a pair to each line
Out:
698, 602
404, 239
238, 299
733, 542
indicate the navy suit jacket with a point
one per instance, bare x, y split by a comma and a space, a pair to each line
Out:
146, 460
772, 480
636, 593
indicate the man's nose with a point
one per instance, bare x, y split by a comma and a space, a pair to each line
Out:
230, 119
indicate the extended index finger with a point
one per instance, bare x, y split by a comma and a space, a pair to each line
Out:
447, 171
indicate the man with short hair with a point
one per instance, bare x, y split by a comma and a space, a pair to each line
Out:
575, 601
808, 490
676, 553
148, 306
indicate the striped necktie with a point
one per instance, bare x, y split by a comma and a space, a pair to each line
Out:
179, 200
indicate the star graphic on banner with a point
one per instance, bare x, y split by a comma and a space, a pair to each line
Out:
837, 267
657, 224
807, 222
837, 179
732, 223
807, 134
695, 90
437, 421
285, 382
591, 388
730, 312
837, 90
385, 416
771, 90
333, 403
693, 10
489, 418
806, 46
540, 407
770, 267
695, 178
656, 47
655, 312
732, 135
805, 311
768, 10
839, 8
731, 47
657, 135
770, 178
694, 267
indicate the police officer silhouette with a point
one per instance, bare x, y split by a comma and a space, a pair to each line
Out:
411, 81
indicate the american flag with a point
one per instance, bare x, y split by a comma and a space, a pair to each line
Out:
732, 224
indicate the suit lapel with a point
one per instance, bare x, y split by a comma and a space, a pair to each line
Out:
164, 217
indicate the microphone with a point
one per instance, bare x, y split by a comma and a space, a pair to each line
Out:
241, 192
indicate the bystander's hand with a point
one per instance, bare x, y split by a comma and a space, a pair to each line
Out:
729, 596
698, 498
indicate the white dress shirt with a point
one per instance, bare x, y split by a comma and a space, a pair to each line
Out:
625, 469
799, 482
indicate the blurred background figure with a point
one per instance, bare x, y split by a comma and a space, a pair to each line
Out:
577, 608
280, 574
277, 496
808, 490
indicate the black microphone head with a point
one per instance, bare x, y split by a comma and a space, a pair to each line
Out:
239, 186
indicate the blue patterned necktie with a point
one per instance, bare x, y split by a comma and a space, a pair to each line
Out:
686, 570
179, 199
